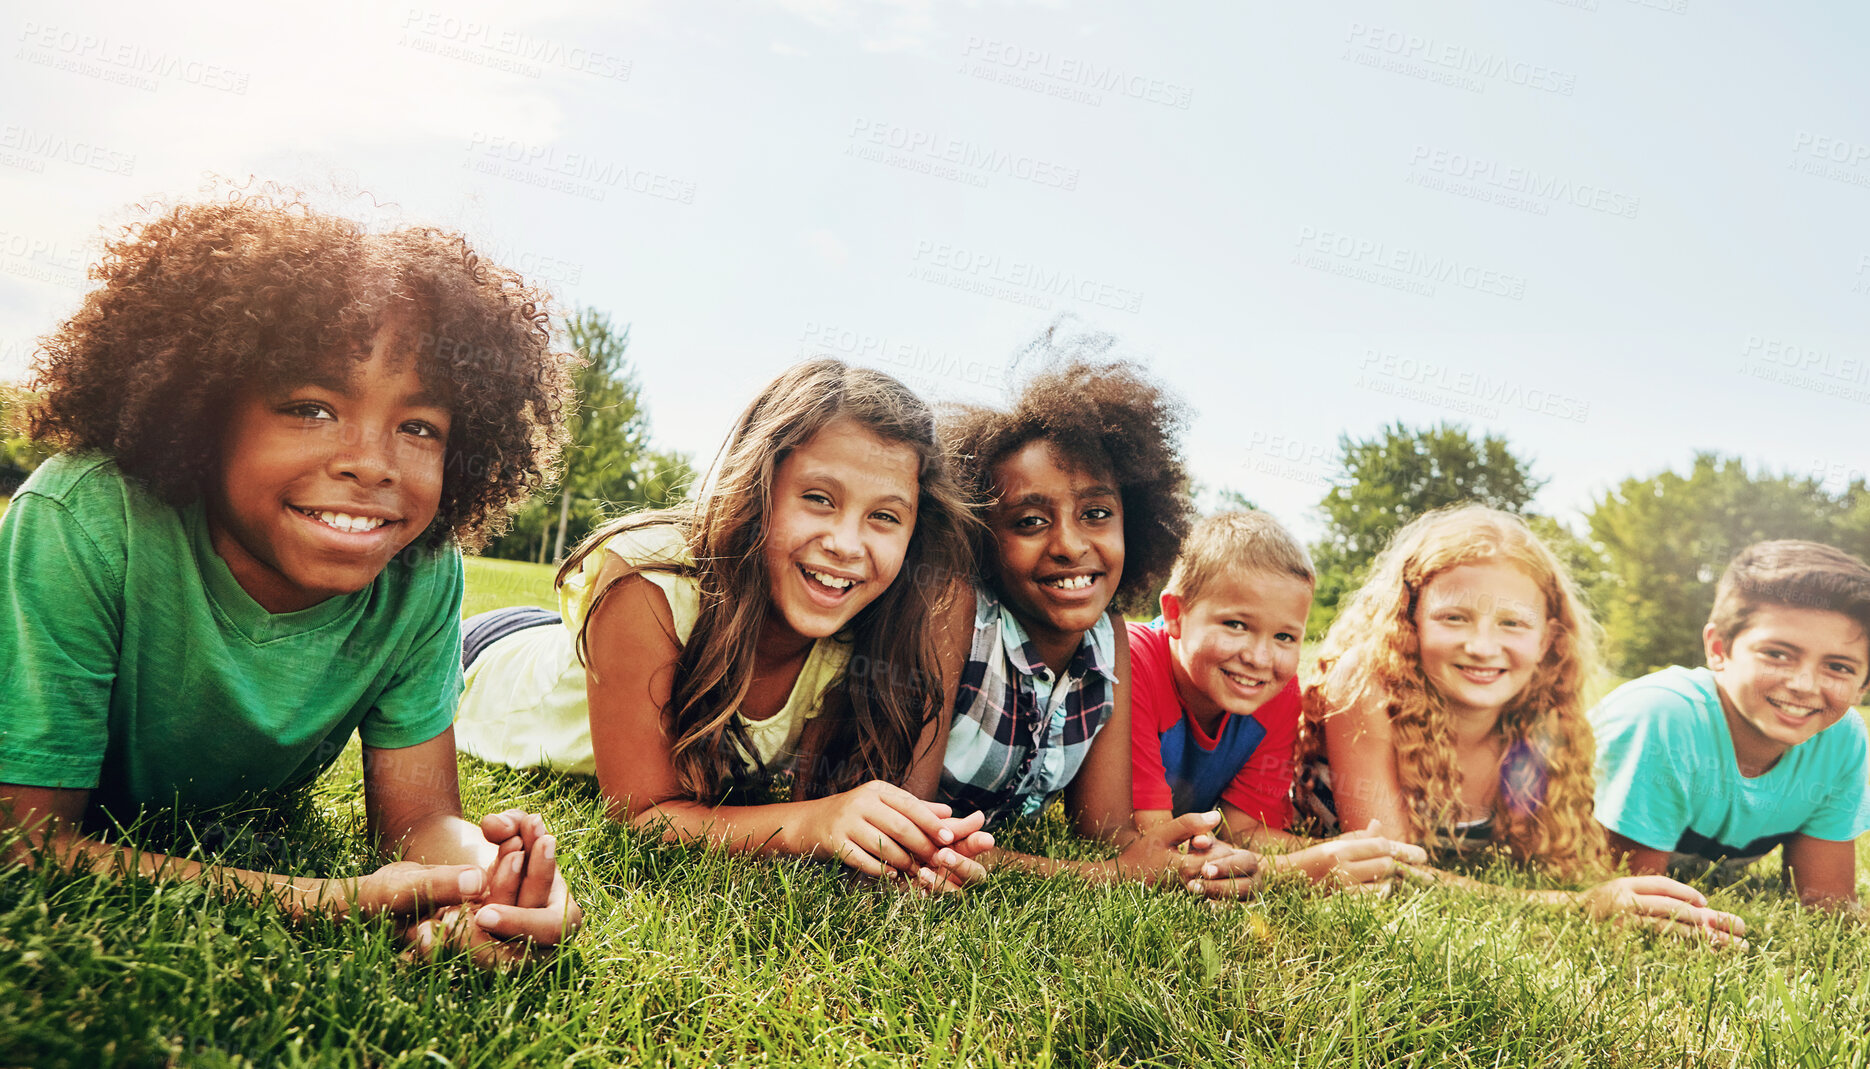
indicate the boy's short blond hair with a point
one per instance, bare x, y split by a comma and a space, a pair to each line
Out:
1794, 574
1234, 542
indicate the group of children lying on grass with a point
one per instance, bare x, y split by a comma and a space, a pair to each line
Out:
279, 431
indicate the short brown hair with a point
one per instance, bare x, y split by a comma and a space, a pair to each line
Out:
1797, 575
1249, 541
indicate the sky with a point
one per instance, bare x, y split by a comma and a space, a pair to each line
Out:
1615, 232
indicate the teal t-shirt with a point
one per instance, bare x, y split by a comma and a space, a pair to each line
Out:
140, 670
1667, 778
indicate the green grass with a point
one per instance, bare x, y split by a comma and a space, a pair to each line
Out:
695, 958
495, 584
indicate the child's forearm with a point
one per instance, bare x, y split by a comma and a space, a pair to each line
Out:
299, 895
1107, 871
443, 839
754, 829
1266, 839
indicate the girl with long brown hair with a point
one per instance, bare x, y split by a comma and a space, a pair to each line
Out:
784, 620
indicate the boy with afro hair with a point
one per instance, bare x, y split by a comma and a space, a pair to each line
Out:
276, 429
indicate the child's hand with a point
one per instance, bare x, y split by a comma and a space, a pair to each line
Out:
879, 827
1359, 860
456, 928
955, 865
1162, 853
1223, 871
1664, 905
527, 900
407, 889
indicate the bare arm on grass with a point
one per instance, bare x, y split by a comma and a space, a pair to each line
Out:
875, 828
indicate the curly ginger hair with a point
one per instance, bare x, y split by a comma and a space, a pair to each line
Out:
1543, 813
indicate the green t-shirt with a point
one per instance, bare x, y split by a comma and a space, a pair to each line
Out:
140, 670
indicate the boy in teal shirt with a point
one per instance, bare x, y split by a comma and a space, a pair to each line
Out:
277, 431
1761, 748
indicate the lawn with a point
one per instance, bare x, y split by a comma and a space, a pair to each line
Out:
694, 958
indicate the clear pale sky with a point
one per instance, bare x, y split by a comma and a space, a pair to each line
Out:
1615, 231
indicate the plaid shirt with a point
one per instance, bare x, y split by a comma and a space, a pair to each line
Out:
1019, 734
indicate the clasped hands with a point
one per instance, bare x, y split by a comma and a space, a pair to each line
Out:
887, 833
1184, 851
516, 908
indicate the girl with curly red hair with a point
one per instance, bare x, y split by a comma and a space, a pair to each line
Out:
276, 429
1449, 708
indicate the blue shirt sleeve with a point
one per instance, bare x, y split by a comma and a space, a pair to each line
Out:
1845, 813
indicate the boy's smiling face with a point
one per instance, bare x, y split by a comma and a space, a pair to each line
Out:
322, 484
1237, 644
1787, 675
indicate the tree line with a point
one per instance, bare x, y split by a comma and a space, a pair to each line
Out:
1648, 556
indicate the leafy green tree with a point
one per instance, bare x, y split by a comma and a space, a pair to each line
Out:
610, 465
1667, 537
1391, 479
19, 455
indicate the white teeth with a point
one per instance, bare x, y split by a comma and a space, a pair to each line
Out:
836, 582
346, 522
1795, 710
1072, 582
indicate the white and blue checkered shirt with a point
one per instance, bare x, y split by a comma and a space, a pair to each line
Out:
1019, 733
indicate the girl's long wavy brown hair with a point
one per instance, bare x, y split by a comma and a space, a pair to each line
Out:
892, 685
1543, 813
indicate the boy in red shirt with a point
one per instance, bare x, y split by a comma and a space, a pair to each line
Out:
1214, 696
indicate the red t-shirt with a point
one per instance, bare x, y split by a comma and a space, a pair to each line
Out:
1175, 766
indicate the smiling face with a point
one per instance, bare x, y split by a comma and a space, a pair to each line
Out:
844, 508
1058, 540
1789, 674
1237, 644
1483, 631
322, 484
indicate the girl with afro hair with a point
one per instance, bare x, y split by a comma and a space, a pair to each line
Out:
275, 431
1449, 709
1082, 495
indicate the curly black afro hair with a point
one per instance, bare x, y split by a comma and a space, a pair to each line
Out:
262, 292
1108, 415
